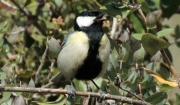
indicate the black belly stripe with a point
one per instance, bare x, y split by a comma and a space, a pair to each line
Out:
89, 70
92, 65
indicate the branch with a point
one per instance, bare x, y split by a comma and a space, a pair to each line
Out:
61, 91
39, 27
42, 63
142, 16
97, 3
51, 68
171, 67
130, 93
141, 13
20, 9
32, 19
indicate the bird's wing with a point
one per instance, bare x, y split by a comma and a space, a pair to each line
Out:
59, 77
65, 39
73, 53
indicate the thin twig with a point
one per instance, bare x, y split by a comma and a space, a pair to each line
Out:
131, 93
85, 94
141, 13
97, 3
40, 4
47, 85
20, 9
171, 67
142, 16
17, 32
51, 68
36, 24
42, 64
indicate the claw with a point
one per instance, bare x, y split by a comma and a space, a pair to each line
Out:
102, 96
73, 91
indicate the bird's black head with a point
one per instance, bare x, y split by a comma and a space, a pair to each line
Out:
90, 20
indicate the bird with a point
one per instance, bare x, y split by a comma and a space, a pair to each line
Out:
84, 53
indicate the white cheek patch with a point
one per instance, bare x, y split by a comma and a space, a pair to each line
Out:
85, 21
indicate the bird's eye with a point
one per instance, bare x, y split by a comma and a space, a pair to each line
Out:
91, 14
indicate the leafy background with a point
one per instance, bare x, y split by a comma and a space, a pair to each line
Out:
30, 38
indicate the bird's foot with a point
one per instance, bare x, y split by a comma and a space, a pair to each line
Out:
102, 96
73, 92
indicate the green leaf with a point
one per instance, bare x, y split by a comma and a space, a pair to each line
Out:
126, 85
32, 7
144, 5
156, 98
115, 53
5, 49
2, 74
80, 85
38, 37
5, 96
58, 2
114, 90
7, 102
114, 61
153, 44
176, 35
177, 102
138, 55
164, 32
115, 9
26, 74
137, 36
1, 42
4, 26
60, 101
165, 87
100, 82
137, 24
124, 52
133, 76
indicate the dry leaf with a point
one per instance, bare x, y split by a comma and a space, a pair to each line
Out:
160, 79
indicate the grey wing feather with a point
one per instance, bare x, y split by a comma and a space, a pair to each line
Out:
59, 77
65, 39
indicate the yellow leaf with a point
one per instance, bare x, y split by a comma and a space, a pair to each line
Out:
160, 79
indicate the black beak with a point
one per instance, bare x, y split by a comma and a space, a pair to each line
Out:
99, 17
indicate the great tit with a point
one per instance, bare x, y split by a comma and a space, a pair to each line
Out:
84, 53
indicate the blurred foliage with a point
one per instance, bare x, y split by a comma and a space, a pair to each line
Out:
28, 27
